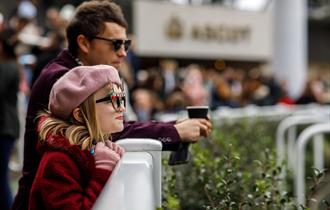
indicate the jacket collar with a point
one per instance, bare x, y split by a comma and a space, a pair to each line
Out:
83, 158
66, 58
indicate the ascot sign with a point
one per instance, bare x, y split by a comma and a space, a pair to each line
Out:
164, 29
209, 32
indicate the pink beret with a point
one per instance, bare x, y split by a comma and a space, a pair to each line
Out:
77, 85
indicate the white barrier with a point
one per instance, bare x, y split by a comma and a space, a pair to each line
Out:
290, 124
301, 143
269, 113
136, 181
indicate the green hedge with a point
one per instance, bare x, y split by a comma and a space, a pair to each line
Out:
235, 168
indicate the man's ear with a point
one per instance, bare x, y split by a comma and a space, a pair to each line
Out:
77, 115
83, 43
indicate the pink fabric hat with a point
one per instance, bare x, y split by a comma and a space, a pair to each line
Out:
77, 85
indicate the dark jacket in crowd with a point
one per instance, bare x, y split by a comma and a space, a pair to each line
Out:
9, 80
165, 132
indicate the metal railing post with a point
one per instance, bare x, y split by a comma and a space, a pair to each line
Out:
301, 143
289, 123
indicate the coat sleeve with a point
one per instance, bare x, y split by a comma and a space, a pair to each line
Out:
61, 184
165, 132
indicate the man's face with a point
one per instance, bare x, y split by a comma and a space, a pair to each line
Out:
102, 51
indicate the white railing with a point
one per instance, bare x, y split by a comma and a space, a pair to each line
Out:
270, 113
136, 181
301, 143
290, 124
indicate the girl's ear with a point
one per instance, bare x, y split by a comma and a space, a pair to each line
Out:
77, 115
83, 43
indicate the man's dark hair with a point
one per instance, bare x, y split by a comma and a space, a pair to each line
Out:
89, 21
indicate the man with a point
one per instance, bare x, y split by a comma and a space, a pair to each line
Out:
96, 35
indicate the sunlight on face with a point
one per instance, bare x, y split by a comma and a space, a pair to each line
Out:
102, 52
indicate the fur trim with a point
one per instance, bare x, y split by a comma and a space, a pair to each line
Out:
83, 158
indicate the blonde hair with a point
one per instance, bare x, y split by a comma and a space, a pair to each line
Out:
81, 134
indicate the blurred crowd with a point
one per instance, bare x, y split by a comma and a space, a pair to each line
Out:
167, 87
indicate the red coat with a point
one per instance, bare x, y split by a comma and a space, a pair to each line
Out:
66, 177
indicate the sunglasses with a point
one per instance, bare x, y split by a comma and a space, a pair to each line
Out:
117, 100
116, 43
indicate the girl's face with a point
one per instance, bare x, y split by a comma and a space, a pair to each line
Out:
110, 108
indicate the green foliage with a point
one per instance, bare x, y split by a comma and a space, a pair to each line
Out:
234, 169
318, 196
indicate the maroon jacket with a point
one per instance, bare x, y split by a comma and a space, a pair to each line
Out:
66, 177
165, 132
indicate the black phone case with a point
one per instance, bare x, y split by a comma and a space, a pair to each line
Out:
181, 156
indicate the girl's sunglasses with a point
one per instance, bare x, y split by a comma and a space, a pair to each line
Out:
117, 100
116, 43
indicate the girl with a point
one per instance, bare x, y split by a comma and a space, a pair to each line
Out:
85, 106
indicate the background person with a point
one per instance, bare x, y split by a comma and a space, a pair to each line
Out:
9, 122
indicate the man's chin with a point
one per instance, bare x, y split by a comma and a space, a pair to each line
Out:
116, 65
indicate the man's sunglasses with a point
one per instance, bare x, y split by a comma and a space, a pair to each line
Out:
116, 43
117, 100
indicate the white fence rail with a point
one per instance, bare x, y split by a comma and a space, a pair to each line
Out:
270, 113
302, 141
290, 124
136, 181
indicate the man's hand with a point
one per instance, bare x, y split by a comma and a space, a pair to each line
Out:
191, 130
